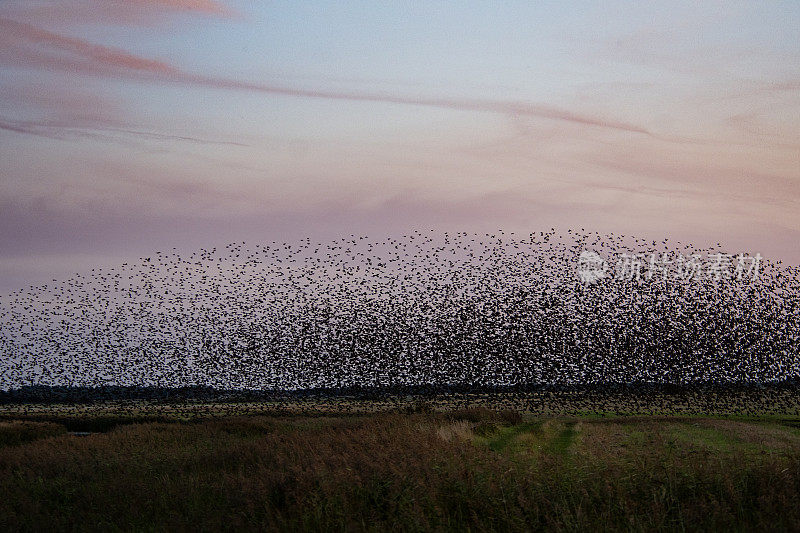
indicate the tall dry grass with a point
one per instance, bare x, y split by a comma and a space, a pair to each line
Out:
475, 470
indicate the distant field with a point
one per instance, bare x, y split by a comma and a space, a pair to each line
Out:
721, 401
471, 469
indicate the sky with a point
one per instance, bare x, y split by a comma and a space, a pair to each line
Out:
132, 126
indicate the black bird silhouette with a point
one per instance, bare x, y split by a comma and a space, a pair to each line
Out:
427, 311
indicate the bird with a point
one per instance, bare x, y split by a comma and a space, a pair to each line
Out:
449, 313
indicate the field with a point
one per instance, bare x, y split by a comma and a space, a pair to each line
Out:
420, 469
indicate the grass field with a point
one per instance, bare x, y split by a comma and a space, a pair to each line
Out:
463, 470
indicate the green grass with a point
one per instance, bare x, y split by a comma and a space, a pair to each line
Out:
696, 435
461, 471
561, 443
502, 438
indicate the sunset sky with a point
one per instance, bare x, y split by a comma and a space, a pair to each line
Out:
131, 126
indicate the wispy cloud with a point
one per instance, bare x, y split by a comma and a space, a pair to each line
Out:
26, 45
65, 130
639, 132
67, 13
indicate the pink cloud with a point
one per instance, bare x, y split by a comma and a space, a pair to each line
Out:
26, 45
68, 13
202, 6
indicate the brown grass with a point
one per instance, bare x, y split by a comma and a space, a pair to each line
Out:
478, 470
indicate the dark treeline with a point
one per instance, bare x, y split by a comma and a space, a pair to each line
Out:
40, 394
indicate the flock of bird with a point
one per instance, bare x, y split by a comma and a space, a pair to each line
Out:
433, 309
